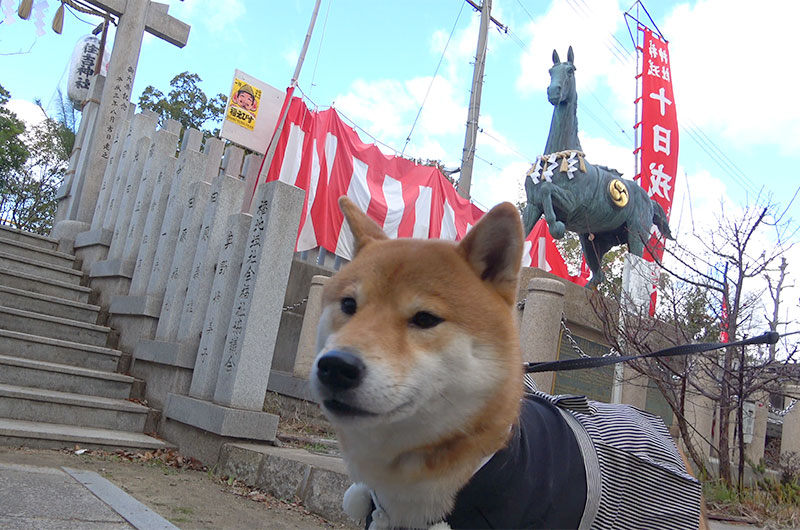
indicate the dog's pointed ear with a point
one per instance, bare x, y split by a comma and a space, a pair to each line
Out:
493, 248
364, 229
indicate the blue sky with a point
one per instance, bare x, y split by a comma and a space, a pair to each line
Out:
732, 69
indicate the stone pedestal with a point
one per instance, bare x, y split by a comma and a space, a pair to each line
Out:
540, 328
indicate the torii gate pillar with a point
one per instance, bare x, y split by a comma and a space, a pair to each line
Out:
135, 17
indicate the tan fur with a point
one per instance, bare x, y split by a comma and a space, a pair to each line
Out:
472, 286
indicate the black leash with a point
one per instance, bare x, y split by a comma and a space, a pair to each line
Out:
770, 337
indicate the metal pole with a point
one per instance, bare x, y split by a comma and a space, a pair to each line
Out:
270, 154
468, 154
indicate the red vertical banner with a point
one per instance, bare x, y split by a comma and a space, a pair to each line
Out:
659, 149
659, 137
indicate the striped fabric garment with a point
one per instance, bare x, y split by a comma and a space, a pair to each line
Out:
635, 476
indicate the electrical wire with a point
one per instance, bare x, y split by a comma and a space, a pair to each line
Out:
319, 50
435, 73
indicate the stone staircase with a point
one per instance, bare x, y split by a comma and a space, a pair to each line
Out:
60, 377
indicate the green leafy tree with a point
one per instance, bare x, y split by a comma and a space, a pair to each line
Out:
186, 103
33, 162
13, 151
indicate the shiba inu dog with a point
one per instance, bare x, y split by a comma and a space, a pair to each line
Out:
419, 371
419, 367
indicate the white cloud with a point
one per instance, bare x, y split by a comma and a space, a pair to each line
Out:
588, 30
217, 17
734, 69
28, 112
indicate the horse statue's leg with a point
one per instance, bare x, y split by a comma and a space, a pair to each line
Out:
547, 190
593, 251
592, 260
533, 209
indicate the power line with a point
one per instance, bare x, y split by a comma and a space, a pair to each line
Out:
435, 73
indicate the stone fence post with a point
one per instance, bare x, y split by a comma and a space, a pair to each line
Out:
540, 329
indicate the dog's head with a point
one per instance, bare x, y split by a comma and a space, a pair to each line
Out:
420, 334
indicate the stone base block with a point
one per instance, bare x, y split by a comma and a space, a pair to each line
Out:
132, 328
68, 229
318, 481
289, 385
149, 306
92, 246
105, 288
167, 353
220, 420
161, 380
112, 267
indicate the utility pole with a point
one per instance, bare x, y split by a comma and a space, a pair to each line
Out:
468, 154
266, 162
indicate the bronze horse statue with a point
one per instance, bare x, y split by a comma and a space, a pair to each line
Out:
594, 201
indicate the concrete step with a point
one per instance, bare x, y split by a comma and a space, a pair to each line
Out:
57, 328
51, 406
48, 305
64, 378
38, 435
35, 252
14, 234
46, 349
40, 268
36, 284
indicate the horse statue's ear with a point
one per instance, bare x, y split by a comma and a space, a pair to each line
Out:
556, 60
570, 56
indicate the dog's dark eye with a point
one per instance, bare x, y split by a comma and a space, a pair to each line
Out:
348, 306
425, 320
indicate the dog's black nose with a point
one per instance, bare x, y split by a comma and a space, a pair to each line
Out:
340, 370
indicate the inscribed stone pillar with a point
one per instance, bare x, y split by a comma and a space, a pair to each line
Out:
182, 258
226, 196
252, 166
220, 305
307, 344
143, 126
253, 330
191, 171
540, 328
166, 184
160, 162
127, 200
66, 194
110, 174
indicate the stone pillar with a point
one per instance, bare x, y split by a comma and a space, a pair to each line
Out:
83, 139
220, 306
192, 171
634, 388
136, 315
540, 329
754, 450
167, 185
160, 162
252, 333
182, 258
699, 413
226, 196
790, 438
307, 345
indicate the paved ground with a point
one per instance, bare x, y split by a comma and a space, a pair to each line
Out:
43, 489
59, 490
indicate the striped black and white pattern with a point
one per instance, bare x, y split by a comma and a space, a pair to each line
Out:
635, 475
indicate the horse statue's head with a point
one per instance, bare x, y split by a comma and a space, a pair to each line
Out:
562, 79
